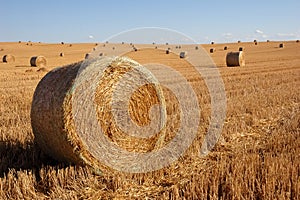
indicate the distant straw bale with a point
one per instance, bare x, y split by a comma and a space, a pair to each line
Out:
8, 58
212, 50
241, 48
281, 45
234, 59
38, 61
183, 54
61, 54
225, 48
87, 56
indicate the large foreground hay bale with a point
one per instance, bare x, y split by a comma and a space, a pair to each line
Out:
69, 100
235, 59
8, 58
38, 61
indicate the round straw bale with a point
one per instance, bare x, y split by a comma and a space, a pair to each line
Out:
70, 45
239, 41
167, 51
101, 54
38, 61
87, 56
1, 49
268, 40
155, 47
254, 41
196, 47
241, 49
66, 126
297, 41
183, 54
167, 43
135, 49
8, 58
212, 42
61, 54
20, 41
225, 48
62, 43
212, 50
179, 47
235, 59
281, 45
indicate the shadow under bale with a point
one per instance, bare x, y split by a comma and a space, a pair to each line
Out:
22, 157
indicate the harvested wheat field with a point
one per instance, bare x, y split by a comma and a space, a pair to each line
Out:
257, 156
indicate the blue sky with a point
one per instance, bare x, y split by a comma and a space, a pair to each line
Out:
96, 20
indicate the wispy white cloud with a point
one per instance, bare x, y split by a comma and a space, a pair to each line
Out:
91, 37
259, 31
259, 34
227, 35
286, 34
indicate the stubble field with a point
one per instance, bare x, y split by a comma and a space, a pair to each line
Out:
257, 157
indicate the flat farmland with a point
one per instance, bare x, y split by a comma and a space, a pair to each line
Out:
256, 157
